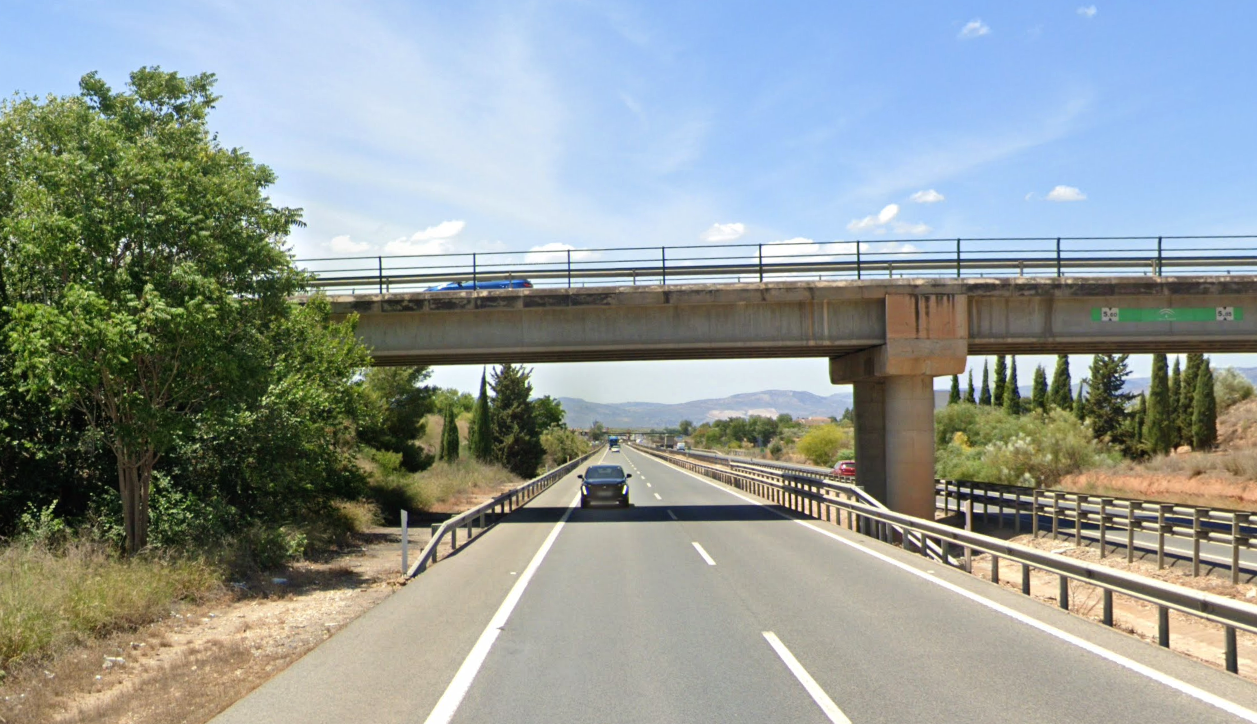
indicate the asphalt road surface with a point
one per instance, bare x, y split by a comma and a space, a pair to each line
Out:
699, 604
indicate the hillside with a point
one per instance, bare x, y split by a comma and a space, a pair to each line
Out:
582, 413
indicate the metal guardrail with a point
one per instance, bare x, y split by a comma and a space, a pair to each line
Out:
485, 516
844, 259
1231, 614
1107, 520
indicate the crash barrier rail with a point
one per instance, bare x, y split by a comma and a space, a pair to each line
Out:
558, 265
1231, 614
479, 519
1108, 520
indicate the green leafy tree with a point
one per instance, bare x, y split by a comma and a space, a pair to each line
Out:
1187, 399
823, 443
1159, 427
953, 398
597, 432
517, 441
685, 427
396, 404
562, 445
1176, 393
969, 393
1012, 395
1205, 412
1061, 394
152, 262
463, 402
985, 397
1001, 380
1039, 390
1106, 401
480, 434
549, 413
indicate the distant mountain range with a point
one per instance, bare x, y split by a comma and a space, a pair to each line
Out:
770, 403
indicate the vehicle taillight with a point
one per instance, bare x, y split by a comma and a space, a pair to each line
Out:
528, 285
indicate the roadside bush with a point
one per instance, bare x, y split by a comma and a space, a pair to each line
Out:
394, 490
1032, 450
823, 443
1230, 387
562, 445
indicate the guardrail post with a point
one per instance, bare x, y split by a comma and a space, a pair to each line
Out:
1034, 514
1163, 626
761, 263
405, 542
1235, 547
1056, 513
994, 568
1232, 655
1130, 531
436, 549
1063, 593
1103, 513
1161, 536
958, 258
379, 260
1107, 615
858, 274
569, 268
663, 264
1077, 521
1025, 578
1196, 541
1058, 256
969, 527
453, 538
473, 272
1160, 269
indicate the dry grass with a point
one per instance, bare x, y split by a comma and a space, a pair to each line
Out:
441, 488
359, 515
52, 599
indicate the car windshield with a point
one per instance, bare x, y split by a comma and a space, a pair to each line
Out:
604, 472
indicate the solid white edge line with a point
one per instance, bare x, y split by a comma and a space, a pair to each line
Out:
703, 553
814, 689
1177, 684
449, 702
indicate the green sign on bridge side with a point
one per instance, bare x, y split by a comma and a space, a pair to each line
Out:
1167, 314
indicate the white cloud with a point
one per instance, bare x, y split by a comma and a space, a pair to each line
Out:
929, 196
556, 253
1088, 11
974, 29
1066, 193
884, 217
915, 229
443, 230
723, 232
344, 245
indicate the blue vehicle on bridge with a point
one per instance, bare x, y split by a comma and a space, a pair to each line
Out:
489, 284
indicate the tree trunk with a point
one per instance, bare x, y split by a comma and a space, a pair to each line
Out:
135, 475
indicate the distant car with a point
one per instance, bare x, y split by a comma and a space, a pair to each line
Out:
604, 484
492, 284
681, 446
615, 448
845, 468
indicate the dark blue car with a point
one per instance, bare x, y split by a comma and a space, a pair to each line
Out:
492, 284
604, 484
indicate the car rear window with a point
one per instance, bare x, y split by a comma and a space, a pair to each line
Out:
604, 472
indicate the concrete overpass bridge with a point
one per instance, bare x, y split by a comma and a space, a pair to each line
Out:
887, 336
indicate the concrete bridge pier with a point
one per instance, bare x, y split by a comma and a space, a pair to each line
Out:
894, 397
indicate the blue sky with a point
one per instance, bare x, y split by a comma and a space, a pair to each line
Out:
479, 126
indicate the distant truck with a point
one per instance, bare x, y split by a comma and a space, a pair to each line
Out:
613, 441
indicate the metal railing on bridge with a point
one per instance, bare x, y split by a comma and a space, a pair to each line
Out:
557, 265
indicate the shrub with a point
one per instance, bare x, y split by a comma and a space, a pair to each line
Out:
1230, 387
822, 444
1034, 449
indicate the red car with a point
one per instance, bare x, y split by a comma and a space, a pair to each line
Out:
845, 468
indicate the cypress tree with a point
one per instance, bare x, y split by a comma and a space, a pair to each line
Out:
1139, 441
1061, 394
1001, 380
1080, 402
1039, 391
449, 436
480, 436
969, 396
1012, 395
1158, 426
1205, 411
516, 440
1176, 391
954, 397
1187, 396
985, 397
1106, 403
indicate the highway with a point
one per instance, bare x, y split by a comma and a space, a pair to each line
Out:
699, 604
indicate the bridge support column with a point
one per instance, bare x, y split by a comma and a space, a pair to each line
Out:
926, 337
